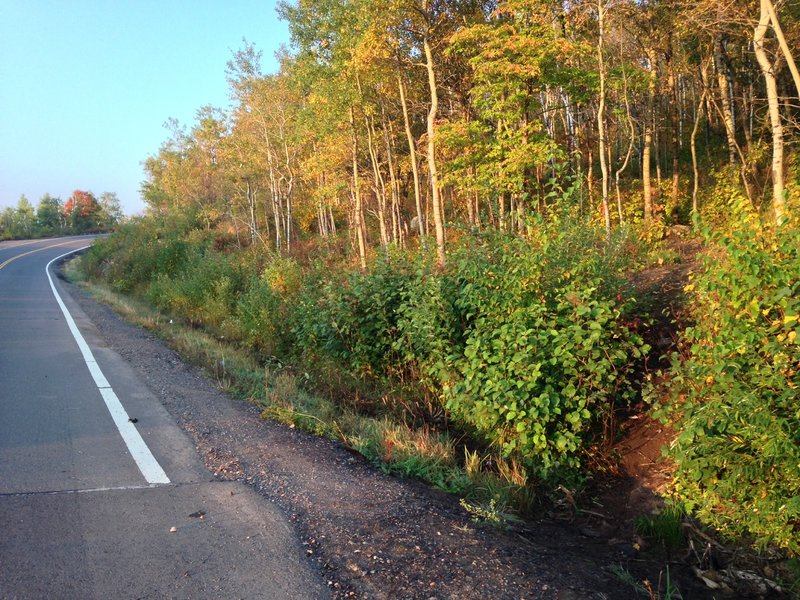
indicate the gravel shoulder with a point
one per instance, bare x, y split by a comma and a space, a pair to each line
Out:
371, 535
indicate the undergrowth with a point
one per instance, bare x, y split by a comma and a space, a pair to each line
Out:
489, 379
665, 527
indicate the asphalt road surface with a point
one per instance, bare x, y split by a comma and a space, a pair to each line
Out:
101, 494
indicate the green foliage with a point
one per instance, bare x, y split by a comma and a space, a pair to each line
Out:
522, 341
354, 319
545, 352
137, 253
716, 201
489, 513
666, 526
265, 308
735, 391
205, 292
645, 588
50, 217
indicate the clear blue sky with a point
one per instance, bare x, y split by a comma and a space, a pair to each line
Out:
86, 86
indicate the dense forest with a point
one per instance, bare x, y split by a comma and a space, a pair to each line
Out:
81, 213
425, 226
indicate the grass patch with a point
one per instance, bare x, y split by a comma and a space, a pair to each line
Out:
666, 527
233, 369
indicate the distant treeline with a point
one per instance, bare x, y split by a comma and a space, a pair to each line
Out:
81, 213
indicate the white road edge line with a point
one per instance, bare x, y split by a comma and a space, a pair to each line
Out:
147, 463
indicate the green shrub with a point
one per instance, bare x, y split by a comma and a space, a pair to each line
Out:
205, 291
428, 328
533, 382
715, 202
353, 319
545, 354
137, 253
265, 310
735, 392
522, 341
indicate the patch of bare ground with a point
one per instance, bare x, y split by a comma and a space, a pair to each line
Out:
376, 536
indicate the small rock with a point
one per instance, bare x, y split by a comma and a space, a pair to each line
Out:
589, 532
173, 529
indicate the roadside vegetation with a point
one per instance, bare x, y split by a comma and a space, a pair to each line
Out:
509, 364
421, 237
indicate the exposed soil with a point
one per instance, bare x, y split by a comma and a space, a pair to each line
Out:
378, 536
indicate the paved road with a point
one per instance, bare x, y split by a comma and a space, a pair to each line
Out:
88, 497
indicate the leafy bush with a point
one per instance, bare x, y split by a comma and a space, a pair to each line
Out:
521, 340
545, 352
716, 202
353, 318
735, 392
533, 381
265, 309
131, 258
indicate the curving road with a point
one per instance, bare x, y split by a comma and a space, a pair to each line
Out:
101, 494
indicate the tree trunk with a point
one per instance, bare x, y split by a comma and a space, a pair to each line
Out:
601, 117
394, 184
275, 197
697, 116
251, 205
774, 111
412, 150
438, 213
723, 81
648, 137
631, 139
358, 208
289, 192
776, 27
380, 185
674, 138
